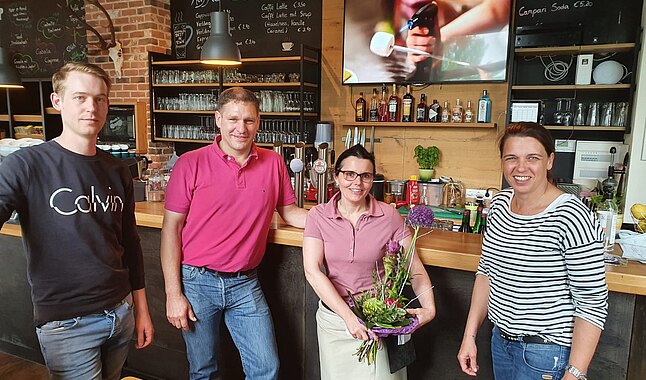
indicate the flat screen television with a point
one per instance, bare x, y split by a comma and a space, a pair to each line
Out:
472, 45
120, 125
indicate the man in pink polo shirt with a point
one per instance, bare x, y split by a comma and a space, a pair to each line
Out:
219, 204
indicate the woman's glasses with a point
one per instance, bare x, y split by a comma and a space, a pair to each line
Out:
349, 175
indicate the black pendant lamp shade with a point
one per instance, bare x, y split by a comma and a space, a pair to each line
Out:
9, 77
219, 48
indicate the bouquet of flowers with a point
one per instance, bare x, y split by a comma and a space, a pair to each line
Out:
382, 309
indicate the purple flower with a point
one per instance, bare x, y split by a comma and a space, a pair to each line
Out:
392, 246
421, 216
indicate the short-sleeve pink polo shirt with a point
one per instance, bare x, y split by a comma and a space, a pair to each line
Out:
351, 253
228, 206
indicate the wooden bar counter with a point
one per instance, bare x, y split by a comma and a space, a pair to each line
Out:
450, 258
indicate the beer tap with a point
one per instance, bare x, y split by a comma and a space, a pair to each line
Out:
320, 167
297, 167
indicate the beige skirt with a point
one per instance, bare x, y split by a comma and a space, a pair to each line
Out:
336, 349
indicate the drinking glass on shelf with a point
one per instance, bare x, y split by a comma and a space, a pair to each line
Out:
567, 114
607, 114
579, 115
558, 115
593, 114
621, 114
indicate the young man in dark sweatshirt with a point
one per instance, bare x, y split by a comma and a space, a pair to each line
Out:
76, 210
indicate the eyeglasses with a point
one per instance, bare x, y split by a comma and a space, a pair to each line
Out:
349, 175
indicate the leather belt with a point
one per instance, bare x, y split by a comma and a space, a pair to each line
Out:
229, 274
523, 338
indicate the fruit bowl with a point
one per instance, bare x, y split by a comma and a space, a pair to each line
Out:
638, 213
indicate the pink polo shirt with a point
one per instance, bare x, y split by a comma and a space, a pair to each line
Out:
351, 253
228, 206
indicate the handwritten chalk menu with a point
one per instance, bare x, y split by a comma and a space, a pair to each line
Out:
600, 21
259, 28
40, 37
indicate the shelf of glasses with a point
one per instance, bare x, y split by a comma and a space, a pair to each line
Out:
244, 60
306, 114
417, 124
183, 140
584, 128
184, 111
186, 84
269, 84
539, 87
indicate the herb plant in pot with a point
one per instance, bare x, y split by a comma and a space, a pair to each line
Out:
427, 158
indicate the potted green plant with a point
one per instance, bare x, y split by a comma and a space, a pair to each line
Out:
427, 159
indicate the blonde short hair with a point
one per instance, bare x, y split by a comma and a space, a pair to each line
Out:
59, 77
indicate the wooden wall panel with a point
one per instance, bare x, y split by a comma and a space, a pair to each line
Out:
467, 154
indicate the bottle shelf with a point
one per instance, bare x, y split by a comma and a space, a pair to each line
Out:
558, 87
584, 128
417, 124
563, 50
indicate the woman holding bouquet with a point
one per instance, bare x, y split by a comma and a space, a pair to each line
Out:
348, 236
541, 277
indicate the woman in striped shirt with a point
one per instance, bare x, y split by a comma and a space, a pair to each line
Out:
541, 277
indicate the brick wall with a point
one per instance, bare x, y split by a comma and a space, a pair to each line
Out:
141, 26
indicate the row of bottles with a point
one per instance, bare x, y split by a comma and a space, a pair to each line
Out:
480, 224
405, 110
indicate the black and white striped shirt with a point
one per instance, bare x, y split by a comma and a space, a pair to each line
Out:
544, 269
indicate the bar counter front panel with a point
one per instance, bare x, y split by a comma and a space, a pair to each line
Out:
450, 258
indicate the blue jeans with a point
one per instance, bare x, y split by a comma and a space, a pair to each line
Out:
527, 361
240, 300
93, 346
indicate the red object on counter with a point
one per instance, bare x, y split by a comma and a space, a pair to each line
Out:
413, 191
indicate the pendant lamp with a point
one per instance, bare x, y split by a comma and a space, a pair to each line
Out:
9, 77
219, 48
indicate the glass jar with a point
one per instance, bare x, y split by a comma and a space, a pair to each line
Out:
453, 194
156, 186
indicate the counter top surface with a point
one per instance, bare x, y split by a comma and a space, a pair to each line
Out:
439, 248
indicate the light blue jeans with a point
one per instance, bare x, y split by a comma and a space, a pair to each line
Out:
240, 300
93, 346
527, 361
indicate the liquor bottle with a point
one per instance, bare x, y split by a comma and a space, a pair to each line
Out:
483, 225
360, 110
434, 112
374, 106
465, 226
484, 108
383, 105
468, 113
393, 105
607, 213
446, 112
457, 112
478, 222
407, 106
420, 112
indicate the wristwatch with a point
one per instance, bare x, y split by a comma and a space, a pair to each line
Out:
576, 372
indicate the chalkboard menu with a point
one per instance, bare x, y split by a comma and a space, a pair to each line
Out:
259, 28
600, 21
40, 37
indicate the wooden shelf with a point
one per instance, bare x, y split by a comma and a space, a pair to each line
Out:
562, 87
186, 84
4, 117
306, 114
183, 140
563, 50
52, 111
28, 118
417, 125
584, 128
